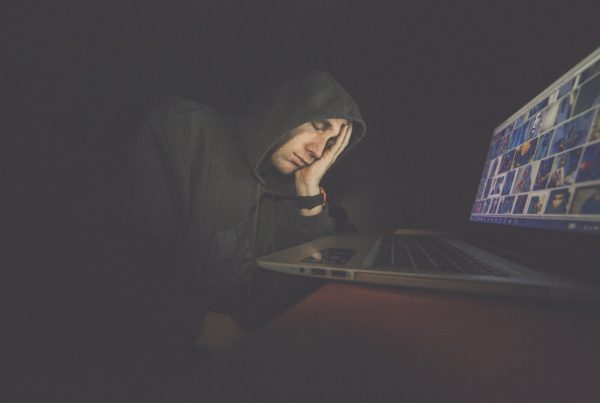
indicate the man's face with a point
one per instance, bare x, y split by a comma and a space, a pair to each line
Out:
557, 200
306, 144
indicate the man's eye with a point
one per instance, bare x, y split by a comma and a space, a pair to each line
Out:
331, 142
321, 125
317, 126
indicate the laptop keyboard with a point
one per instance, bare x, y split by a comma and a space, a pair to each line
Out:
428, 254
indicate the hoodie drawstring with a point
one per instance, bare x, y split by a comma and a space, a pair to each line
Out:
272, 248
255, 235
273, 239
256, 217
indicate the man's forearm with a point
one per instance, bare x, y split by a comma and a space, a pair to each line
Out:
304, 189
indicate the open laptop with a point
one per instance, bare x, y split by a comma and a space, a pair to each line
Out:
535, 224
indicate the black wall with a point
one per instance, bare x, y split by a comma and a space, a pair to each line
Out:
433, 78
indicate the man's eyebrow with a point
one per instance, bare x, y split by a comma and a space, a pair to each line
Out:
326, 124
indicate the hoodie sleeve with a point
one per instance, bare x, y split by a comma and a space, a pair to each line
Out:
313, 227
303, 228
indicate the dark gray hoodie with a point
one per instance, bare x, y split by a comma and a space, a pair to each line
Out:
200, 203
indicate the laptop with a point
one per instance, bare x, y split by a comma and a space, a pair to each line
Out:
534, 229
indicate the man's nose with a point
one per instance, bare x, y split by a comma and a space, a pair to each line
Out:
315, 148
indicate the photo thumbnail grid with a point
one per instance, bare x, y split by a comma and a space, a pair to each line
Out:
545, 164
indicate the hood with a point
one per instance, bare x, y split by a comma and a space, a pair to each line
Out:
310, 96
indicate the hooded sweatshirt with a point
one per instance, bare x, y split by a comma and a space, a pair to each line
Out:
200, 202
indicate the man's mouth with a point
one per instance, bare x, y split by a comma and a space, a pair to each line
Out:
298, 161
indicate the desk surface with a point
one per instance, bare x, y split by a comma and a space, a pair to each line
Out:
364, 343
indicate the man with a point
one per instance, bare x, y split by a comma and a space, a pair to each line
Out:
591, 205
558, 202
206, 192
558, 176
536, 204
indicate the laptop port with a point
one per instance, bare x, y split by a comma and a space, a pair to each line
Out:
318, 272
338, 273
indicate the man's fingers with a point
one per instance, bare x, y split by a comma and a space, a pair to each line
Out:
343, 141
330, 155
340, 139
331, 151
348, 135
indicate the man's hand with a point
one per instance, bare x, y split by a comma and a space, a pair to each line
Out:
309, 177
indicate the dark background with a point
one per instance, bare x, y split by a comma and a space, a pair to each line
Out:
432, 78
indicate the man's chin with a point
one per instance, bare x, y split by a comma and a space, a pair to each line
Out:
286, 169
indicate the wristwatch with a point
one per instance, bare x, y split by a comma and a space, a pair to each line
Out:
309, 202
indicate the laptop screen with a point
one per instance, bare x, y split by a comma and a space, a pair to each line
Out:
543, 166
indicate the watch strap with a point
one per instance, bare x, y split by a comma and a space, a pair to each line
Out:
309, 202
